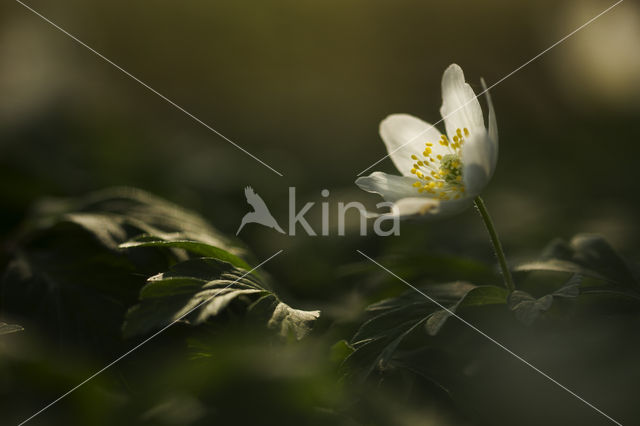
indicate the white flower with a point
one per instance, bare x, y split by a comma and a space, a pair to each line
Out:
441, 174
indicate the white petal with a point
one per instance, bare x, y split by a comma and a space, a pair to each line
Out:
415, 206
477, 162
493, 128
429, 208
405, 135
460, 107
391, 187
451, 207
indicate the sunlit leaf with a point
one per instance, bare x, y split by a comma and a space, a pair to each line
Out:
9, 328
289, 321
115, 215
196, 290
196, 247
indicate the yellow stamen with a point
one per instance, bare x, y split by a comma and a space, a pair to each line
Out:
441, 174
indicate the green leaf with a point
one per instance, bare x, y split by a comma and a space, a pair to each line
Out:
9, 328
478, 296
395, 319
72, 278
196, 290
589, 255
197, 247
340, 351
571, 289
444, 293
611, 291
116, 215
528, 309
108, 229
72, 288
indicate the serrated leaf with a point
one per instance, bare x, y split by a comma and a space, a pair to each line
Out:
208, 283
196, 290
388, 351
383, 323
71, 277
377, 340
478, 296
289, 321
527, 308
448, 292
587, 254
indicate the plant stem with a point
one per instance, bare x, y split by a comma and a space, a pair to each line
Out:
497, 246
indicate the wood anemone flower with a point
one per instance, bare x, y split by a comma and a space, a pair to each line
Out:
441, 174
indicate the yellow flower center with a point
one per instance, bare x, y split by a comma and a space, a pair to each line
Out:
441, 175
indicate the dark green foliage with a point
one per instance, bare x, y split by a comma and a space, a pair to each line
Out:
589, 255
104, 272
405, 333
395, 319
528, 309
197, 289
82, 264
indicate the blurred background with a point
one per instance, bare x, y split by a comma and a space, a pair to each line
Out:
303, 85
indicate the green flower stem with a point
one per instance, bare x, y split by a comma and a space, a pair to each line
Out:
497, 247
